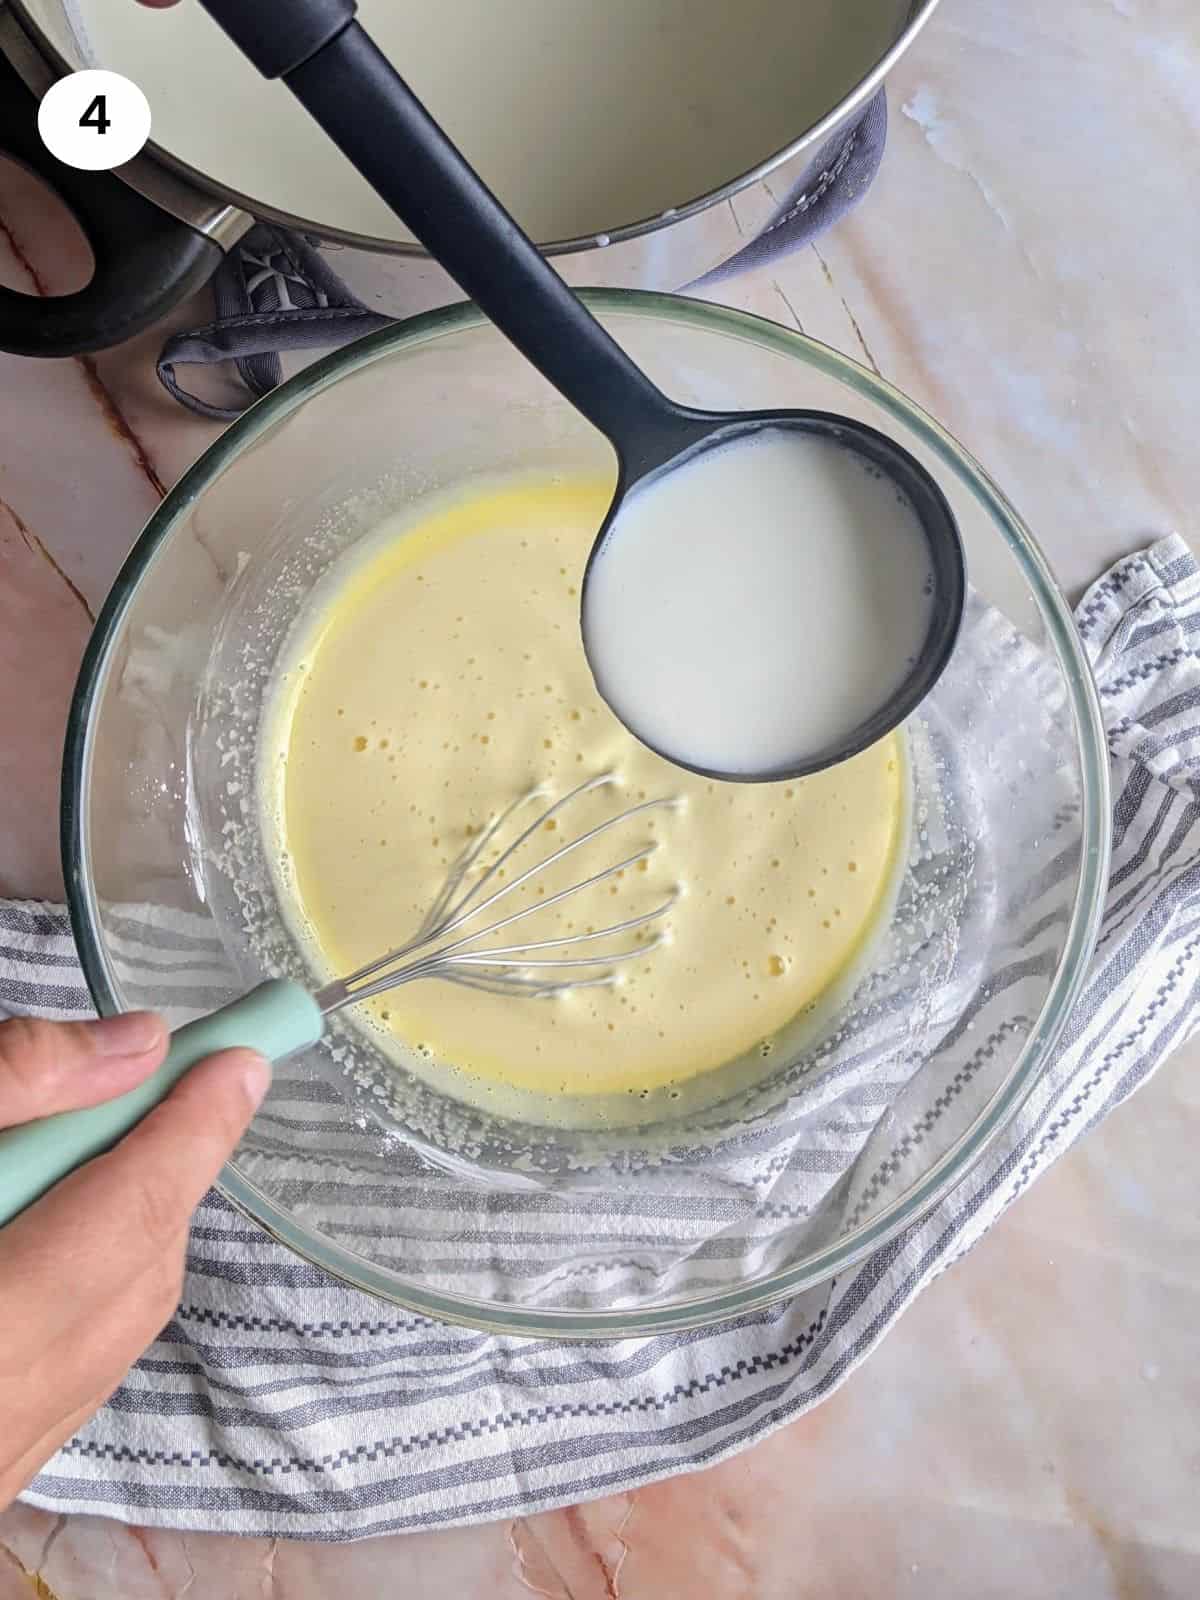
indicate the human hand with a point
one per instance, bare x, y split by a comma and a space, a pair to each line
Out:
92, 1272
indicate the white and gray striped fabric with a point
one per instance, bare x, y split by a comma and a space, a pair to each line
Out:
278, 1403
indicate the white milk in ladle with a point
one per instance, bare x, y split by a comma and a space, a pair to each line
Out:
752, 608
583, 116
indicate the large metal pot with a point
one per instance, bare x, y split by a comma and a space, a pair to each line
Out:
158, 229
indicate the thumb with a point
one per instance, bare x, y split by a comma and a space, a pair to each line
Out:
57, 1066
175, 1153
90, 1274
135, 1202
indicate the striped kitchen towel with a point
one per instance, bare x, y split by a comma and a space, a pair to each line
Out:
278, 1403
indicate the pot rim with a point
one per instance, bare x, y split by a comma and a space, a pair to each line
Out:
856, 100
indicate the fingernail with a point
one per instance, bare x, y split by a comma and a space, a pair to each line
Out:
255, 1073
133, 1033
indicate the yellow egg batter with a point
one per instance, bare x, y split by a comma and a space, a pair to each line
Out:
439, 675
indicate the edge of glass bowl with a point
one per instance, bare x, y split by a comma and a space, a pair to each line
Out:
1006, 1101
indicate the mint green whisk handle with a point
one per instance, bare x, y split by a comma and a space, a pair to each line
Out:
277, 1019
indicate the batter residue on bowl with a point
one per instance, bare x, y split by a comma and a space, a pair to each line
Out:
438, 675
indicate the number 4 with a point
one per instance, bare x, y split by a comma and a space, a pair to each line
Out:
96, 116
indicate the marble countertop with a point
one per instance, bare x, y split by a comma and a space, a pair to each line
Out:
1025, 267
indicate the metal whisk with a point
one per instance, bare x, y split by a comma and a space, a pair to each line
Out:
280, 1017
450, 943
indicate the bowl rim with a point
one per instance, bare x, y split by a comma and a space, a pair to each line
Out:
1006, 1100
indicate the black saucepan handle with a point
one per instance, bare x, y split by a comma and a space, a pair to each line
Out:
146, 261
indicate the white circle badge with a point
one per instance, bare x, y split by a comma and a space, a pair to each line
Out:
94, 120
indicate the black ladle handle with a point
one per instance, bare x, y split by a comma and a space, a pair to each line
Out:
350, 88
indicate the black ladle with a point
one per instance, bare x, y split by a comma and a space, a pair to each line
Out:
348, 86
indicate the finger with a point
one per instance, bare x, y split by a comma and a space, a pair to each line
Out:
127, 1206
97, 1263
58, 1066
172, 1158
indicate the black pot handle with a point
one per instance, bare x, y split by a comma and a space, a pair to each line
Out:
147, 261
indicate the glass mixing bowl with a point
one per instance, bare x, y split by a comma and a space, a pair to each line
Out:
413, 1196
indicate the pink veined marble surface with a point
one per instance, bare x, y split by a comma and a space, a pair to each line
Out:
1025, 267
